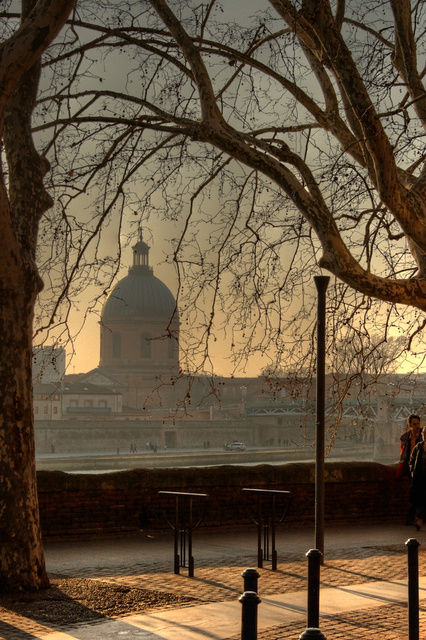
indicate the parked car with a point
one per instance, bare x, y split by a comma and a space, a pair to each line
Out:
235, 446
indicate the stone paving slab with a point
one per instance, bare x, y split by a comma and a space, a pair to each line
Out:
209, 585
225, 583
221, 620
384, 623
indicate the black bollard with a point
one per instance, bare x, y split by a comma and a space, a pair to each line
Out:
250, 580
312, 633
250, 601
413, 588
314, 562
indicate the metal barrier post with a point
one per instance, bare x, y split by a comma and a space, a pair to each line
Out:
312, 632
314, 561
190, 556
259, 545
274, 556
266, 540
250, 579
183, 528
266, 520
176, 557
250, 601
413, 588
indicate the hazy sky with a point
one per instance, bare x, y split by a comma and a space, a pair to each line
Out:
86, 344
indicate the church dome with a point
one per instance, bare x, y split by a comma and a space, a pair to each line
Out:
140, 294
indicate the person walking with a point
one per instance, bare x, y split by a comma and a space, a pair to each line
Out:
418, 474
409, 439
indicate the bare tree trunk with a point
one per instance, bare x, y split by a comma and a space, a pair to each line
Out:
22, 203
21, 552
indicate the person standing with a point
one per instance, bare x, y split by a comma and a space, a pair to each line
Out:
418, 474
409, 439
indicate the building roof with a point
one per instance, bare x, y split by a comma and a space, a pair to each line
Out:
98, 376
86, 388
47, 387
140, 294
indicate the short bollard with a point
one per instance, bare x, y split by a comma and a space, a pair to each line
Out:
250, 580
312, 632
413, 588
250, 601
314, 563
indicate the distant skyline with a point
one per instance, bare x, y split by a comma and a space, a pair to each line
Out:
86, 344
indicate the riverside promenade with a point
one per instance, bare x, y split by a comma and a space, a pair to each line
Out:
363, 587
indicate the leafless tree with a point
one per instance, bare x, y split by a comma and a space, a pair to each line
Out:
289, 141
23, 201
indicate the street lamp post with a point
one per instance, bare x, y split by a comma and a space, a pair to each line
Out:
321, 283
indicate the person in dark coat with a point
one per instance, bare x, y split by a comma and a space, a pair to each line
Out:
409, 439
418, 474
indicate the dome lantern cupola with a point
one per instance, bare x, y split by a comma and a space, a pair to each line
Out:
140, 257
140, 295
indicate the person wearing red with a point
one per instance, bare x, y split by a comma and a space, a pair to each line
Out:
418, 474
409, 439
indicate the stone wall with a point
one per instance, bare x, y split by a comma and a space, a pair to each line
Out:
127, 501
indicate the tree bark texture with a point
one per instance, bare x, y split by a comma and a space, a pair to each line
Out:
21, 552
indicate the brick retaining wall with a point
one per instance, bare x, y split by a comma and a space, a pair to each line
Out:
127, 501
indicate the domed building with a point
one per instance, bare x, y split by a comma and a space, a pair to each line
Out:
139, 330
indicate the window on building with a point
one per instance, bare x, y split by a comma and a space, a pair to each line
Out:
145, 345
88, 403
116, 345
73, 403
55, 409
102, 403
35, 409
45, 409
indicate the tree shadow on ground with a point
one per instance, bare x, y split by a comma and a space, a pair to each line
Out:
69, 601
366, 576
10, 631
218, 584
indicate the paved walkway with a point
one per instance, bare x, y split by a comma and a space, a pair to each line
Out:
220, 620
363, 593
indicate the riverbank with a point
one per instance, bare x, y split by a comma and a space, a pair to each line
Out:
191, 458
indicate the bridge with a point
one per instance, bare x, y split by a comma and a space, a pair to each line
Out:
397, 409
